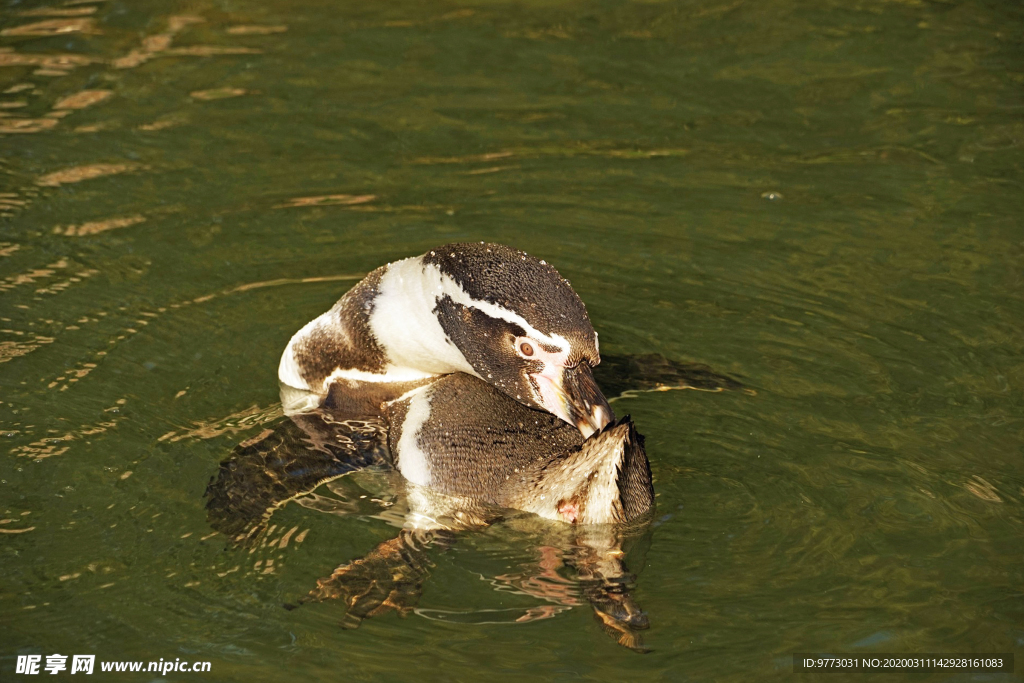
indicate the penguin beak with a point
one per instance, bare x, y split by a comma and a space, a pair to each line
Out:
573, 395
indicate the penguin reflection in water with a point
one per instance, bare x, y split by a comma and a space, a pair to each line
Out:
470, 371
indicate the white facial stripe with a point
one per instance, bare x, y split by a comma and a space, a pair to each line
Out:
412, 461
457, 294
404, 324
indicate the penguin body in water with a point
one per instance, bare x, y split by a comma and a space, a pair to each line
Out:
468, 455
462, 438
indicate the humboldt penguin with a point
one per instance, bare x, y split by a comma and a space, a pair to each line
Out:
485, 310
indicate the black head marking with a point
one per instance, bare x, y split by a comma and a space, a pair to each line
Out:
486, 343
523, 284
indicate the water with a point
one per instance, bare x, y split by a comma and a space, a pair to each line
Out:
823, 199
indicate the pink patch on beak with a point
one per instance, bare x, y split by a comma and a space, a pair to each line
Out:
549, 379
550, 396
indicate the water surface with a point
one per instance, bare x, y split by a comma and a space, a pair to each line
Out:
823, 199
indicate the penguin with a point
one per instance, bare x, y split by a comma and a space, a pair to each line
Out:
503, 454
485, 310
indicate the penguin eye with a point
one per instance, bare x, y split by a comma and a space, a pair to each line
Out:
526, 348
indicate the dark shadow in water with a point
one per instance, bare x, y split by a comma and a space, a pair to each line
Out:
292, 458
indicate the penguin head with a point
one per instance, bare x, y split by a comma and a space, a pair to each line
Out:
523, 330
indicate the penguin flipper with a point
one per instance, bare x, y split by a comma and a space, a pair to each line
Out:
621, 375
292, 457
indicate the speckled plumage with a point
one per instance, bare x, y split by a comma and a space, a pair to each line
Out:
343, 338
519, 282
477, 444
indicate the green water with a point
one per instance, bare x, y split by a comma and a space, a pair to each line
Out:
823, 199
